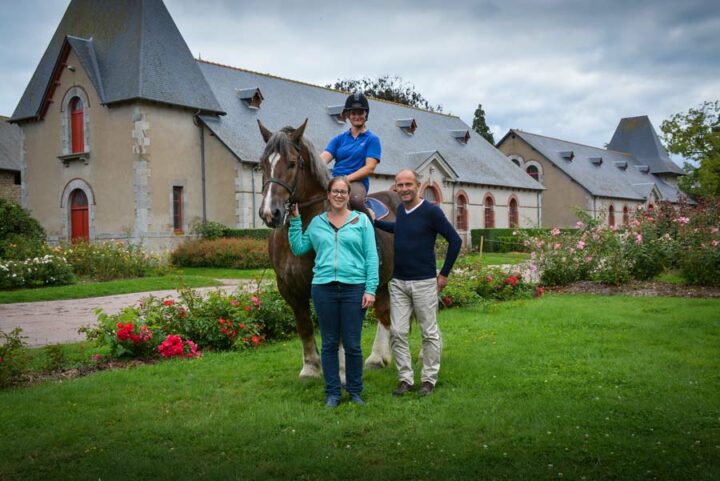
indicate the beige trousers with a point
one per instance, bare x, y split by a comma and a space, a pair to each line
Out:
420, 297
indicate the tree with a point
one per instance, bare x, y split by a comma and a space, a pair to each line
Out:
480, 126
696, 136
387, 87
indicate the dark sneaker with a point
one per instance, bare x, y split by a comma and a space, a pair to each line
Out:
426, 389
356, 399
332, 402
402, 388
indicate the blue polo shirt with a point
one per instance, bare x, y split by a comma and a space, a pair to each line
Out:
350, 153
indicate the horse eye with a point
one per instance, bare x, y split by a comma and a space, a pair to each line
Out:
292, 164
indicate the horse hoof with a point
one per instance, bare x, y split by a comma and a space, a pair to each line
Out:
310, 372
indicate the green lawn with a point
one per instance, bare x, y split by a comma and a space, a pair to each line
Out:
108, 288
497, 258
564, 387
223, 273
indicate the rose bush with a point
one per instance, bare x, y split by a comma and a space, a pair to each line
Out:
219, 321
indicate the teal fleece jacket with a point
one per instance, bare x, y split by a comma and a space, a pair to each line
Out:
345, 255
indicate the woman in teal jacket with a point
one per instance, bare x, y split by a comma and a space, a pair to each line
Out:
345, 277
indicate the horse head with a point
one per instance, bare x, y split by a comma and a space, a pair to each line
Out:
282, 163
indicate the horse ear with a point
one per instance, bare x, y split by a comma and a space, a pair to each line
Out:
266, 134
297, 135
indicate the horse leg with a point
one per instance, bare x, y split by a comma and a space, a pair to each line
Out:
341, 357
381, 354
311, 359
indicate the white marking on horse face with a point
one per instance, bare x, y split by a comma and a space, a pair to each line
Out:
266, 212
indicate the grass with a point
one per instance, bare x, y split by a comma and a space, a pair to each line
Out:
223, 273
97, 289
564, 387
672, 277
498, 258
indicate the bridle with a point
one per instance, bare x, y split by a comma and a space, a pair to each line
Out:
292, 190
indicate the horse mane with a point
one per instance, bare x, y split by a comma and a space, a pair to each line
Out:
280, 144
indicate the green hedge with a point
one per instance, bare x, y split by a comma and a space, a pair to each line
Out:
262, 234
503, 240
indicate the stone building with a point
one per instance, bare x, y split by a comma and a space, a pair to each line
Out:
633, 171
10, 161
126, 135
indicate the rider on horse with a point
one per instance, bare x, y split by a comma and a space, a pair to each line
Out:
356, 151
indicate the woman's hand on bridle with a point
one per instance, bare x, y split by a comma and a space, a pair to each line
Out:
294, 212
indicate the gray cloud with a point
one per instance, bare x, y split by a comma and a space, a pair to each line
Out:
565, 68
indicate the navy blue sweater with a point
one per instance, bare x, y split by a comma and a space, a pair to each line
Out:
415, 235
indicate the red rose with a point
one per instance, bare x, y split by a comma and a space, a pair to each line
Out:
256, 340
247, 308
168, 302
241, 326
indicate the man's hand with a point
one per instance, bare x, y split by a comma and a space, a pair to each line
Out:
442, 281
371, 213
367, 300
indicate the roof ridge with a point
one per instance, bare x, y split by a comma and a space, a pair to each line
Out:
627, 154
300, 82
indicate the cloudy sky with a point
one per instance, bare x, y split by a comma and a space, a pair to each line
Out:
563, 68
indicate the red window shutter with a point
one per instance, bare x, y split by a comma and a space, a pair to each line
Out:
77, 125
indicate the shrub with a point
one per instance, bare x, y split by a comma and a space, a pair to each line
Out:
209, 230
21, 236
699, 260
37, 271
103, 261
220, 321
13, 357
259, 234
233, 253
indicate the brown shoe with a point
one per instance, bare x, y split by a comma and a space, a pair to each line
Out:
426, 389
402, 388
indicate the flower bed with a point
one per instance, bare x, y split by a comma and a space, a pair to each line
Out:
103, 261
481, 285
185, 327
652, 242
47, 270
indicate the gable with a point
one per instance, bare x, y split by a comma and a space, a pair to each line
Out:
131, 50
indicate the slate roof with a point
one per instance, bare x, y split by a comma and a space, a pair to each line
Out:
288, 102
10, 145
604, 179
130, 49
637, 136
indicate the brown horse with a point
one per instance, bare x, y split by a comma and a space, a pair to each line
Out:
294, 174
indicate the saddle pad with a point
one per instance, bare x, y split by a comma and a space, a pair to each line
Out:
377, 206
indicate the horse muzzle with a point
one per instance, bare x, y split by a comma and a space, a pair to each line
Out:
274, 217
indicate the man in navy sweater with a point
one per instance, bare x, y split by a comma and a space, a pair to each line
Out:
416, 284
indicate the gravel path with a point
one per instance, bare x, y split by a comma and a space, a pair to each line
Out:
52, 322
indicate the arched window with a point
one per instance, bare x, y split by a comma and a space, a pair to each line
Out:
489, 213
77, 125
431, 194
626, 215
533, 172
611, 216
516, 162
79, 221
651, 207
513, 213
461, 214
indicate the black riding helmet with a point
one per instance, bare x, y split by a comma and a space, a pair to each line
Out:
357, 101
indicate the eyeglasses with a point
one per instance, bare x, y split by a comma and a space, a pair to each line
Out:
338, 192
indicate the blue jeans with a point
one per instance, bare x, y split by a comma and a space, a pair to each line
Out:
340, 314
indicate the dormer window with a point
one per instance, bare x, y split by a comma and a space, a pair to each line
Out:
251, 97
407, 125
643, 168
336, 112
596, 161
462, 136
622, 165
568, 155
77, 125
